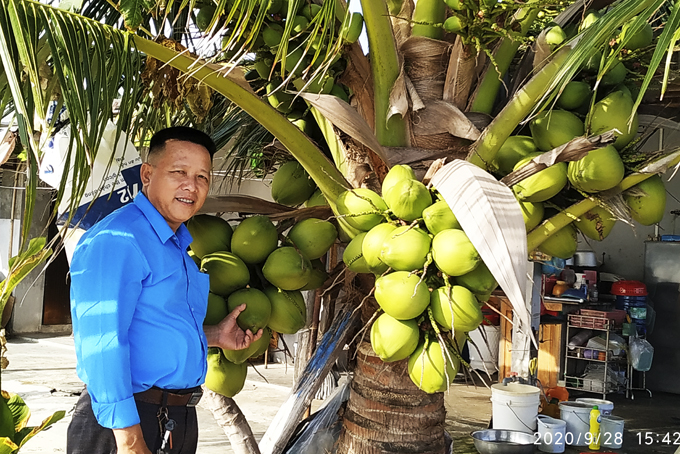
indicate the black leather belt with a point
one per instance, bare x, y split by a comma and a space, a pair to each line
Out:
155, 396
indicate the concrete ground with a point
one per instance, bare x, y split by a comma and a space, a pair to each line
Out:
42, 371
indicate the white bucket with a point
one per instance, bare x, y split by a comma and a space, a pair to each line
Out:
611, 430
577, 417
551, 434
484, 352
514, 407
606, 407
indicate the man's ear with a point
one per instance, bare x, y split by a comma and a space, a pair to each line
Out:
145, 173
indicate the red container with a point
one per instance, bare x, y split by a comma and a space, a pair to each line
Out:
629, 288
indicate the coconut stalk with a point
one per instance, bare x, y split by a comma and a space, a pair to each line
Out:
230, 418
549, 227
390, 131
487, 91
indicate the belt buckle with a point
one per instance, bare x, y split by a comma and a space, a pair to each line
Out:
195, 398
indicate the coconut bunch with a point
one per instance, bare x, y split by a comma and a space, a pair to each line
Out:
431, 281
251, 265
595, 101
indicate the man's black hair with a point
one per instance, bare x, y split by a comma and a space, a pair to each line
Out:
183, 133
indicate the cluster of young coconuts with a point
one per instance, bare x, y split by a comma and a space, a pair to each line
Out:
602, 169
253, 264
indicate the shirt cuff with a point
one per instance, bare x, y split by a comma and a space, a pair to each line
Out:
117, 415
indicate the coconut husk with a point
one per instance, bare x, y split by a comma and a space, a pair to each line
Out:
246, 204
425, 58
429, 89
573, 150
440, 117
359, 79
401, 25
460, 75
444, 141
411, 156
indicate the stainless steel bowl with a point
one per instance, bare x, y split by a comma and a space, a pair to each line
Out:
585, 258
495, 441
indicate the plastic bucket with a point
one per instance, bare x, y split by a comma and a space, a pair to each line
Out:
611, 430
606, 407
514, 407
551, 434
577, 417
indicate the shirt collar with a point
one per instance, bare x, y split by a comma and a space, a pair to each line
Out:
159, 224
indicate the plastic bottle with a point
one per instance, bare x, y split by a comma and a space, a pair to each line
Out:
595, 420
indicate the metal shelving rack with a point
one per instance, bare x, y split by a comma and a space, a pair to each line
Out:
606, 357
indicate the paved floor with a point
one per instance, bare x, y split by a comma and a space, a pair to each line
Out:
42, 371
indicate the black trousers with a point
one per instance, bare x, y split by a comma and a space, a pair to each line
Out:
86, 436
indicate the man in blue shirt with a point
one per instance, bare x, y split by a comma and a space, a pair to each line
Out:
138, 302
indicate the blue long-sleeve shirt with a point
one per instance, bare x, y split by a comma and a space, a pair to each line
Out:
138, 302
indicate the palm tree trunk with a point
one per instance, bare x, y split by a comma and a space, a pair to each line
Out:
387, 413
228, 415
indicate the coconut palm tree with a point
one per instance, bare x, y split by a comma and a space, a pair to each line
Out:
442, 80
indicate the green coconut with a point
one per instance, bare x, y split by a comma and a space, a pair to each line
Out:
227, 272
596, 223
317, 199
210, 234
543, 185
254, 239
406, 248
351, 31
392, 339
257, 312
613, 112
204, 17
362, 208
353, 255
532, 213
372, 245
552, 128
289, 313
430, 369
402, 294
456, 308
317, 277
287, 269
194, 257
479, 281
438, 217
396, 174
555, 36
223, 376
574, 95
641, 38
562, 244
254, 350
454, 253
291, 185
599, 170
591, 16
647, 209
513, 150
313, 237
217, 309
615, 74
407, 199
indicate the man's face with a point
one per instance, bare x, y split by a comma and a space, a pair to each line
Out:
176, 181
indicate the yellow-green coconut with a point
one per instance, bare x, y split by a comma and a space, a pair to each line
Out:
392, 339
596, 223
543, 185
438, 217
430, 368
562, 244
407, 199
552, 128
353, 255
402, 294
254, 239
455, 307
287, 269
532, 213
406, 248
454, 253
613, 112
289, 313
513, 150
372, 245
479, 281
210, 234
313, 237
223, 376
647, 209
257, 312
599, 170
396, 174
217, 309
227, 272
291, 185
255, 349
361, 208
